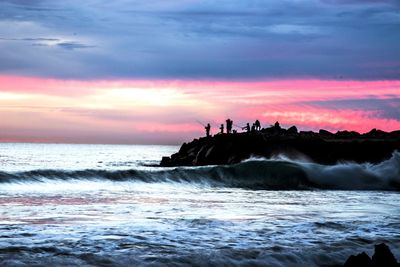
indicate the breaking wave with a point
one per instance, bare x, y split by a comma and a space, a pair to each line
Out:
270, 174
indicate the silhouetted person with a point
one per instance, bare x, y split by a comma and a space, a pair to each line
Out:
229, 124
253, 128
247, 127
277, 126
221, 128
257, 125
208, 128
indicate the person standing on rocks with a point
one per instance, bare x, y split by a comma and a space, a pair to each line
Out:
247, 127
257, 124
208, 128
221, 128
229, 124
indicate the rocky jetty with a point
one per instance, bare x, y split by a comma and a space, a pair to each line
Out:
382, 257
323, 147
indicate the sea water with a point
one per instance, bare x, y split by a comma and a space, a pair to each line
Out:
108, 205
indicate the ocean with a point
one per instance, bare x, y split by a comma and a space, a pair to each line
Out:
109, 205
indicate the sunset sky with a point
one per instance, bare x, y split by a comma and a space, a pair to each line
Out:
139, 71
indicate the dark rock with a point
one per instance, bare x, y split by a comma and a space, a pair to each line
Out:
374, 133
361, 260
323, 147
166, 161
292, 130
308, 133
395, 134
326, 133
383, 257
347, 134
271, 131
183, 148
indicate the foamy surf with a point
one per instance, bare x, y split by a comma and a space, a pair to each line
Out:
268, 174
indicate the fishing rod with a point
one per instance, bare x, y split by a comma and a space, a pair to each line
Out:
211, 124
201, 123
238, 126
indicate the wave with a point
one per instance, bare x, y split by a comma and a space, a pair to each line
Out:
269, 174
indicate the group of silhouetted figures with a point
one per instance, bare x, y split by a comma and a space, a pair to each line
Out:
229, 127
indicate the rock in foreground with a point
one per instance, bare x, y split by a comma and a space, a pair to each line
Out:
382, 257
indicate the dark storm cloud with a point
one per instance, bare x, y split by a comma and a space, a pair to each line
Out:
187, 39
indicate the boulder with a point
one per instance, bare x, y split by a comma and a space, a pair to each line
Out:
383, 257
359, 260
347, 134
325, 133
292, 130
166, 161
395, 134
375, 133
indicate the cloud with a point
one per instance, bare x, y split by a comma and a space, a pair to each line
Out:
42, 41
137, 39
74, 45
361, 2
31, 39
386, 107
128, 111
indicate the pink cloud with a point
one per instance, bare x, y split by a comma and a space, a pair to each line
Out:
208, 88
168, 111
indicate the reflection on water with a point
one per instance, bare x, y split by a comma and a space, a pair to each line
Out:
118, 223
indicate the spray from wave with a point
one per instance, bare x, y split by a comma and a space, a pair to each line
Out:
269, 174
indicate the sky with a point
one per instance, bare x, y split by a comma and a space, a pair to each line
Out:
151, 72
